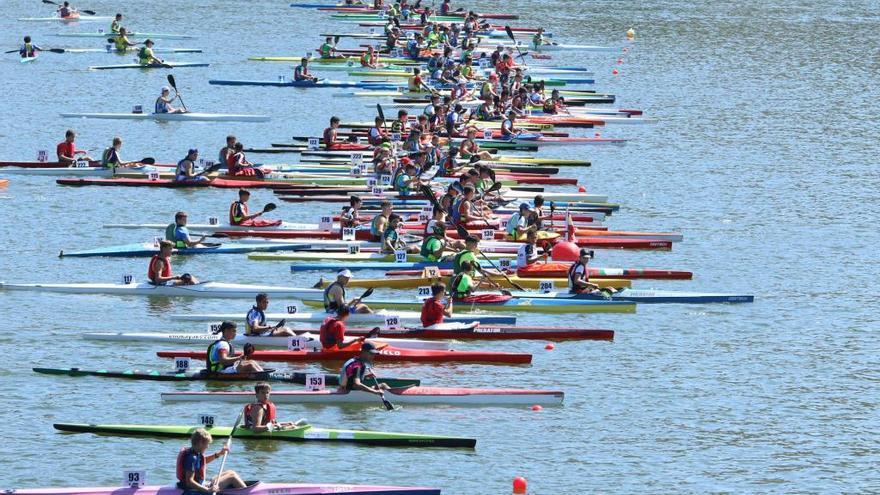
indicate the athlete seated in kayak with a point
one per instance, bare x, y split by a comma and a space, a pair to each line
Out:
528, 252
384, 162
66, 151
434, 244
509, 131
391, 241
436, 307
455, 120
259, 416
335, 298
401, 125
538, 39
301, 72
407, 180
192, 467
414, 46
579, 274
255, 321
221, 356
376, 134
121, 42
331, 141
437, 223
487, 90
464, 211
328, 49
416, 84
163, 102
351, 218
369, 58
380, 221
110, 157
358, 370
116, 25
28, 49
65, 10
146, 56
186, 168
332, 331
227, 150
519, 224
178, 234
392, 37
238, 165
240, 215
469, 147
159, 269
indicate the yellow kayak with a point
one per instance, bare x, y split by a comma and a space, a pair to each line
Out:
317, 256
414, 282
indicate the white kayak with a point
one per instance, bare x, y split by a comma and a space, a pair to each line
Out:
110, 49
80, 18
204, 289
172, 117
81, 171
411, 395
164, 65
132, 35
404, 318
312, 341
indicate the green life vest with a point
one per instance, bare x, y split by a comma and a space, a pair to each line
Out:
461, 285
430, 246
463, 256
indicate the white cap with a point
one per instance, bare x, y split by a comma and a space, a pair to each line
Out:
345, 272
166, 88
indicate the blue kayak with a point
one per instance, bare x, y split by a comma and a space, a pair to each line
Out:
645, 296
321, 83
388, 265
150, 248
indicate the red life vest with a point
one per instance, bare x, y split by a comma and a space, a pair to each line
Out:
200, 476
267, 418
329, 330
152, 270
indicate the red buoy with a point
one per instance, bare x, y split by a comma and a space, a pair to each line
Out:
565, 251
549, 347
519, 485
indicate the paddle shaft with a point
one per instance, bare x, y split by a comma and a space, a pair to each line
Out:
229, 444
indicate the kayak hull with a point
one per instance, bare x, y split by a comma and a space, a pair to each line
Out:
313, 341
378, 317
386, 354
206, 289
150, 249
254, 488
523, 304
171, 117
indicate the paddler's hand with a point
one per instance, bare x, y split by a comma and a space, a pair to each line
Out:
223, 450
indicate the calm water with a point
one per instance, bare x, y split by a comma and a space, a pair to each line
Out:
765, 157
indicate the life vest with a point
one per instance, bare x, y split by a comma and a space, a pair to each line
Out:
328, 340
456, 261
268, 417
571, 272
367, 59
200, 476
151, 269
105, 158
210, 364
426, 251
145, 55
161, 106
460, 286
332, 305
121, 43
391, 234
353, 367
329, 137
512, 223
171, 235
374, 226
237, 212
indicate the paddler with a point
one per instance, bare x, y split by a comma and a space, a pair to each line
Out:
455, 120
116, 25
330, 138
436, 307
255, 321
332, 334
518, 225
401, 125
192, 467
487, 90
65, 10
405, 182
238, 165
463, 210
159, 269
357, 369
538, 39
66, 150
579, 274
121, 42
391, 241
376, 134
163, 102
509, 131
445, 8
334, 296
466, 260
28, 49
528, 252
238, 210
469, 147
328, 49
259, 416
146, 57
221, 357
380, 221
186, 168
369, 58
178, 234
414, 46
301, 72
435, 242
110, 157
416, 84
351, 218
228, 150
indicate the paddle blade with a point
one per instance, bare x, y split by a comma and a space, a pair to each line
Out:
509, 33
269, 207
56, 50
372, 334
148, 160
427, 191
495, 187
381, 113
172, 82
50, 2
388, 405
462, 232
367, 293
88, 12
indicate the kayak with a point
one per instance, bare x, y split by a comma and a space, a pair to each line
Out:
110, 49
487, 332
540, 270
387, 354
377, 265
412, 395
87, 171
343, 256
299, 433
322, 60
71, 18
312, 342
204, 289
4, 182
221, 183
172, 117
204, 375
253, 488
151, 248
423, 281
378, 317
643, 296
529, 304
323, 83
131, 35
164, 65
26, 60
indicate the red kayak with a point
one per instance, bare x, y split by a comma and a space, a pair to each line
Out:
560, 270
386, 354
499, 332
554, 270
610, 242
414, 217
168, 183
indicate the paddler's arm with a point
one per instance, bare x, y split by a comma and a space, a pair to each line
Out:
257, 418
357, 385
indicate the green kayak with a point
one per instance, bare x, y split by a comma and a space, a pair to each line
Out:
302, 433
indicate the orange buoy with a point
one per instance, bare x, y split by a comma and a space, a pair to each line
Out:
549, 347
537, 408
582, 189
615, 72
519, 485
565, 251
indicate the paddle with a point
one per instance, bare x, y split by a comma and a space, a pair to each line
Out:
515, 44
382, 116
462, 232
271, 207
213, 168
552, 211
228, 440
53, 50
173, 84
149, 160
387, 403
